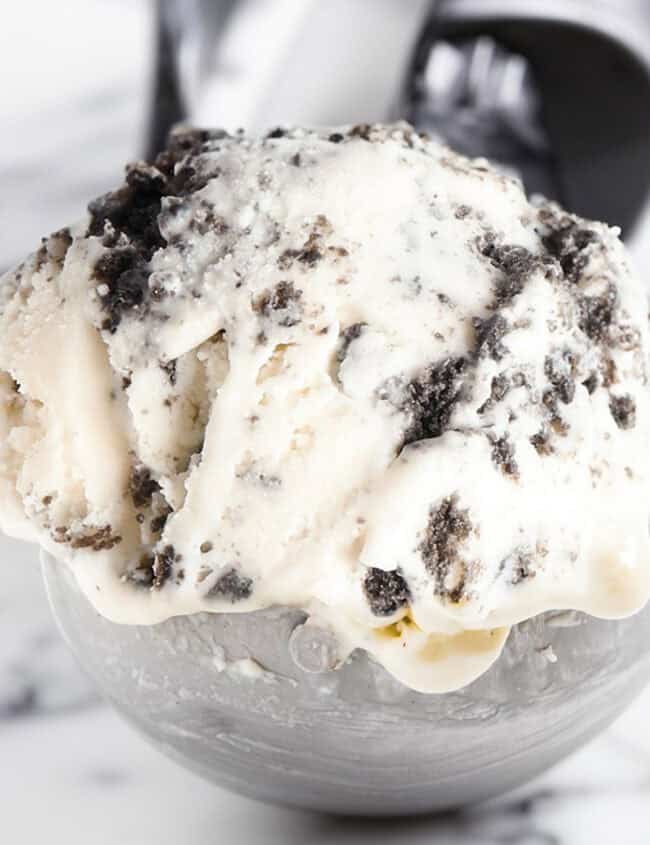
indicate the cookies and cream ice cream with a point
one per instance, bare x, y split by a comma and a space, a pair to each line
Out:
347, 371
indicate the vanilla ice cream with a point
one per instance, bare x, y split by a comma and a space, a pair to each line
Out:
348, 371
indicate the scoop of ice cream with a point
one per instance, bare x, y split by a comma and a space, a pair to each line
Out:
347, 371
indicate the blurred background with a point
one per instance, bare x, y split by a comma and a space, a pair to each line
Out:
556, 90
559, 93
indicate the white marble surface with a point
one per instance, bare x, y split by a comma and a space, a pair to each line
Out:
70, 771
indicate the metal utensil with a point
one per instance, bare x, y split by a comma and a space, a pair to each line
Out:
224, 695
558, 89
559, 93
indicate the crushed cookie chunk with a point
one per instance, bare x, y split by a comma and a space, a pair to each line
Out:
100, 540
142, 486
591, 383
623, 410
560, 369
489, 336
499, 388
281, 303
88, 537
169, 368
157, 524
462, 211
503, 455
430, 399
446, 532
53, 249
132, 210
205, 547
597, 314
184, 177
309, 256
567, 242
63, 239
361, 130
386, 591
163, 566
607, 370
558, 426
127, 221
542, 442
515, 263
335, 138
278, 132
125, 277
232, 585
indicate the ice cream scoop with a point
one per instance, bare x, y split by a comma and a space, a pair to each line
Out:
346, 371
224, 695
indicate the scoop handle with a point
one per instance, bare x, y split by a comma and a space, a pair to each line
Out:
259, 64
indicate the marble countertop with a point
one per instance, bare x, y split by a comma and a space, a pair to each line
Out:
70, 770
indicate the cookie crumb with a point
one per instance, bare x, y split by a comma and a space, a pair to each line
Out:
233, 586
623, 410
386, 591
446, 532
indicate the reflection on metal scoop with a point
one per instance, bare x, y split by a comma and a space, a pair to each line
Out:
482, 100
558, 91
591, 68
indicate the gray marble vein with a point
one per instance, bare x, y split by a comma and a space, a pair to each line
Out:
103, 785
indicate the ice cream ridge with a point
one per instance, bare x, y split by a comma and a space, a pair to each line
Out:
345, 370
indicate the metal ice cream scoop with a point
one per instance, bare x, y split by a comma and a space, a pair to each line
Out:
558, 90
255, 701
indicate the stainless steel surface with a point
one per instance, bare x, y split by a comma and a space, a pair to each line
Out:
337, 62
223, 695
483, 100
591, 62
586, 61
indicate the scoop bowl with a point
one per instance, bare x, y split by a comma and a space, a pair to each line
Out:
230, 697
